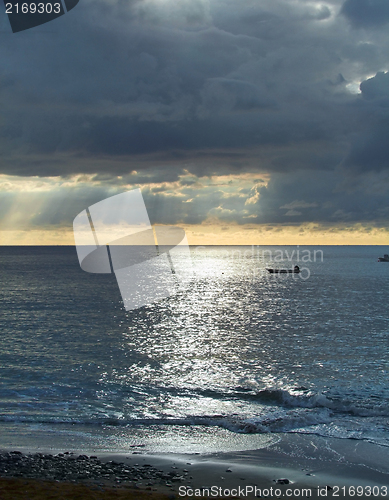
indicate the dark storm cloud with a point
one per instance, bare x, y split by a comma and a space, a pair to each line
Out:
370, 147
321, 196
371, 151
366, 13
146, 90
118, 79
377, 89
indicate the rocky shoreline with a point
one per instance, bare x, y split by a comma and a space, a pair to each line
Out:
82, 468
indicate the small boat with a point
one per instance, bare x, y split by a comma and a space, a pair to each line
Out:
296, 269
385, 258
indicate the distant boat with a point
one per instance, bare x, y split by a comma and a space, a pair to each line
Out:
385, 258
296, 269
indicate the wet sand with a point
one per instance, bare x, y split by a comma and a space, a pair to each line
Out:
297, 467
300, 467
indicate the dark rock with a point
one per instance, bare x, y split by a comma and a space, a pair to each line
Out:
65, 467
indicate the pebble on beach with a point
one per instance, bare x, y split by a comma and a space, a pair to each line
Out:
68, 467
282, 481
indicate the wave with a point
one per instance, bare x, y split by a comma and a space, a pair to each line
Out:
317, 422
231, 423
302, 398
297, 410
357, 404
296, 420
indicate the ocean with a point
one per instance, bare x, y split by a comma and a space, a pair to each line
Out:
236, 360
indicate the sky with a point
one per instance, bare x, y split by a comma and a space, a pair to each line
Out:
242, 121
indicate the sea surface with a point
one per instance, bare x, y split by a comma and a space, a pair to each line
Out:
237, 359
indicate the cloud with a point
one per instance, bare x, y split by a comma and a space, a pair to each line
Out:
222, 95
141, 78
376, 87
299, 204
178, 97
291, 213
366, 13
327, 195
369, 149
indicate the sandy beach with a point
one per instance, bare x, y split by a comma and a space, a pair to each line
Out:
265, 473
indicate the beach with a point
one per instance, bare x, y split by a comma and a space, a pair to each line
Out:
297, 467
